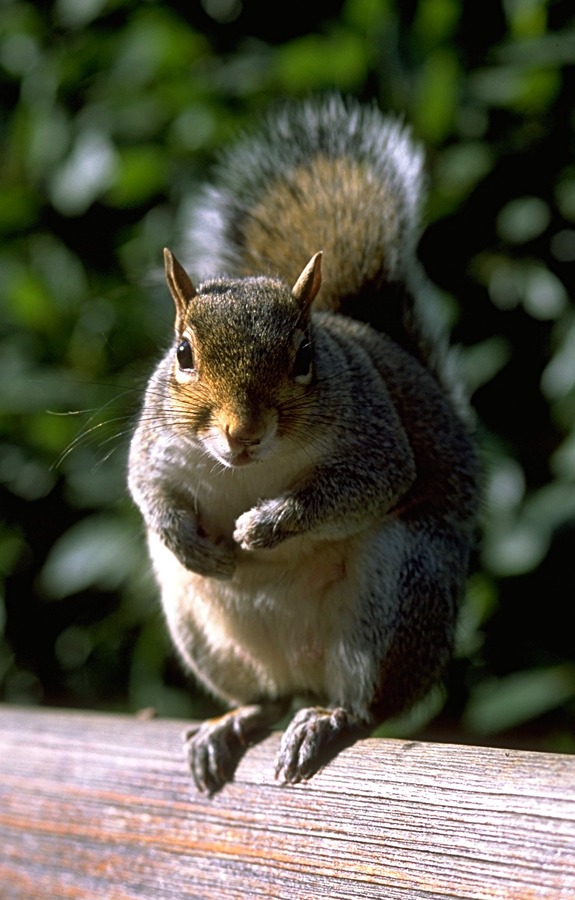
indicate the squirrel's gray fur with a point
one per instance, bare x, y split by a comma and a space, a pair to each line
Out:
308, 485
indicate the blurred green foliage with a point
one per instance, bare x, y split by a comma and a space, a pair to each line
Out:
110, 114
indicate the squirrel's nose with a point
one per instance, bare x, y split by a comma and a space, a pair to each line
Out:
242, 434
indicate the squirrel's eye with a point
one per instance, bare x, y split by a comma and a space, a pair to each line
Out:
303, 361
185, 355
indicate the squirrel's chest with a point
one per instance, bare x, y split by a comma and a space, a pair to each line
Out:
220, 495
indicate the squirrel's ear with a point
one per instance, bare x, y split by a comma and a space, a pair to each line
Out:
308, 283
180, 284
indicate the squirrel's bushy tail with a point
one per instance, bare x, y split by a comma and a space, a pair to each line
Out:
331, 175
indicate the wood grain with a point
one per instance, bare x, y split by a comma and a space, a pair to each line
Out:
100, 806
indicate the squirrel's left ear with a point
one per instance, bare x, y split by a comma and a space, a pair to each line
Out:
308, 283
180, 285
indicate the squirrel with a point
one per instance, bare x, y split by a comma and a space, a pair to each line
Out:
305, 471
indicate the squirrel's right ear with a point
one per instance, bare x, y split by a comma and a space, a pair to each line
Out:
179, 283
308, 283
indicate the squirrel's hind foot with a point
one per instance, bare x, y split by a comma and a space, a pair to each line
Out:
313, 737
214, 748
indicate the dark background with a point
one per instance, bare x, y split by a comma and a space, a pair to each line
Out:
110, 115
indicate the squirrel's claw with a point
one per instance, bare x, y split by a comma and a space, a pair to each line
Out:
214, 748
208, 750
303, 746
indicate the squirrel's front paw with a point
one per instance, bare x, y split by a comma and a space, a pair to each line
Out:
220, 562
213, 562
263, 527
199, 553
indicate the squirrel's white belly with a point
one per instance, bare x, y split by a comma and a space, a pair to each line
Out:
287, 622
283, 625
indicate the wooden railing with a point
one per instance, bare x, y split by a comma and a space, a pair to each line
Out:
100, 806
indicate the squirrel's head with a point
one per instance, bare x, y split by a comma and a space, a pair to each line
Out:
243, 360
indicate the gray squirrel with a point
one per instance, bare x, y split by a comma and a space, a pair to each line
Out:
302, 464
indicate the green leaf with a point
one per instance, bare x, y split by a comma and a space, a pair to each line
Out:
503, 703
141, 173
523, 219
300, 64
98, 552
437, 94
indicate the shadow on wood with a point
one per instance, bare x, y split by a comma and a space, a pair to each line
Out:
101, 806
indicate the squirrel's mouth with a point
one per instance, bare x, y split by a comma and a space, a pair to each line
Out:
236, 459
243, 458
236, 453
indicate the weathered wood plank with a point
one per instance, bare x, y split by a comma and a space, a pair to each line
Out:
99, 806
